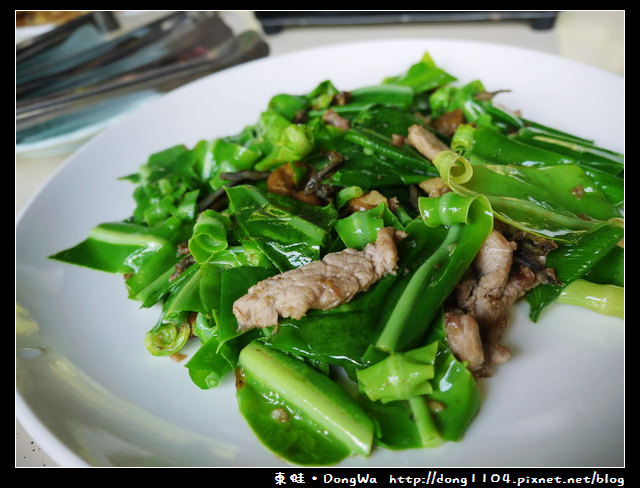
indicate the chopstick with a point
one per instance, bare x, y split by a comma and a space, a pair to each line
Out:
103, 22
241, 48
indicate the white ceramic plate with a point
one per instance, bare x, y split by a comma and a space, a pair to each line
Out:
89, 392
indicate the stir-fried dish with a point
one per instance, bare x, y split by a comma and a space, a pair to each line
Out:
351, 259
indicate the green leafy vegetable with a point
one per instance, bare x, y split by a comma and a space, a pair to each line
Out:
400, 376
307, 394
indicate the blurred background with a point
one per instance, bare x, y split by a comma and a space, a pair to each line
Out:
59, 107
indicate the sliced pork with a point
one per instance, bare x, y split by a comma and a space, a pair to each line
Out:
447, 123
321, 285
434, 187
425, 141
502, 272
463, 336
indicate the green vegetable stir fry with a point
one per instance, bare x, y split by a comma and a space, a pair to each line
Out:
350, 259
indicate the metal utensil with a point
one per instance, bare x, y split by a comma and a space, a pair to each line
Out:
102, 22
160, 42
244, 47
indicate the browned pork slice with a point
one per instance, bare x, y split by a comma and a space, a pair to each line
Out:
447, 123
321, 285
425, 141
331, 117
502, 272
434, 187
463, 336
